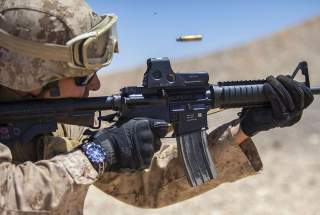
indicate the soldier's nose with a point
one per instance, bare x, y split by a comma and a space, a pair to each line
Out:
94, 84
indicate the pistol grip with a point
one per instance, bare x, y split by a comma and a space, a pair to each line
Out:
193, 149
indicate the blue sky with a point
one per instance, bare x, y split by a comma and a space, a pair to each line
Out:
149, 28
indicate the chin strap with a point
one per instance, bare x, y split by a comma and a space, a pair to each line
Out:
52, 87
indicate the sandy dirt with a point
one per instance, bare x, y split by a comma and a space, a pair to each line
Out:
290, 181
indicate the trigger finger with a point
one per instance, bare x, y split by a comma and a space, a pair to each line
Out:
160, 127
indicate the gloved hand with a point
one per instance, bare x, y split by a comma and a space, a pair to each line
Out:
131, 144
287, 98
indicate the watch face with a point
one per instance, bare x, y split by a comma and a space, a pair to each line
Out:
95, 153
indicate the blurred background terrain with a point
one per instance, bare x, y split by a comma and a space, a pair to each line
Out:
290, 181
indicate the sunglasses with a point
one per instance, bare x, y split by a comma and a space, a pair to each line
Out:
84, 80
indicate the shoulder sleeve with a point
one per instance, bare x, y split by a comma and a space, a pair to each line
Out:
164, 183
44, 185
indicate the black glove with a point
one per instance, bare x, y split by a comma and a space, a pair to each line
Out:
287, 98
131, 144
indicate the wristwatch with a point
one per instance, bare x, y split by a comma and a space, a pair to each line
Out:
96, 155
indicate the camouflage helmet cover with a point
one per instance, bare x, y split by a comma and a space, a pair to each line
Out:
45, 21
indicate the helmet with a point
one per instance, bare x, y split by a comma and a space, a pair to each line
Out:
42, 41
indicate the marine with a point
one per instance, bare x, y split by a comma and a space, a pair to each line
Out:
53, 49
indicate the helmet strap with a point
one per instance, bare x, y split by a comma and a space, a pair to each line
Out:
53, 88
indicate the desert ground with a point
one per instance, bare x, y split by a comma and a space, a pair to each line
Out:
290, 180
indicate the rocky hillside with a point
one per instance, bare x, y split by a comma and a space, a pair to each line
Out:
277, 53
290, 182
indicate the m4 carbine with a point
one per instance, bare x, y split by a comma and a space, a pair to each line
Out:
182, 99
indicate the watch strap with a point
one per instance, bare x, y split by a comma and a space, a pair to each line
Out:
96, 155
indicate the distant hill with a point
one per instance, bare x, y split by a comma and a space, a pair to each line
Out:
277, 53
290, 181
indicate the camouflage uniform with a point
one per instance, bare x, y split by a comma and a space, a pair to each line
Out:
47, 175
165, 183
40, 176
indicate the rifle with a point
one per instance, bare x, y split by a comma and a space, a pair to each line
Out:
182, 99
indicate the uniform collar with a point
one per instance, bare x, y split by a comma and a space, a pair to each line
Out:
7, 94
